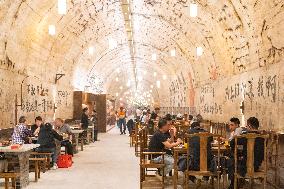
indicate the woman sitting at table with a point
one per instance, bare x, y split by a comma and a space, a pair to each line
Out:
160, 143
46, 139
21, 132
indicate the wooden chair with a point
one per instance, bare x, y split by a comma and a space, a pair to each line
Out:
136, 140
37, 166
147, 165
273, 158
203, 167
251, 174
132, 138
206, 125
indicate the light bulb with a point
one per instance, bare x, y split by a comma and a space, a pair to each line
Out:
51, 30
62, 6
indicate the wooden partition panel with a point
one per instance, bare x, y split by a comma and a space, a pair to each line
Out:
100, 102
77, 104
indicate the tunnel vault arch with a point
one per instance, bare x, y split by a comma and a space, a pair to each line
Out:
237, 38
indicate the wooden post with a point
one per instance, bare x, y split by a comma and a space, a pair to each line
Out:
203, 153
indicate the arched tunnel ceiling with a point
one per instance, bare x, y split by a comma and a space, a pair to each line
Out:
224, 29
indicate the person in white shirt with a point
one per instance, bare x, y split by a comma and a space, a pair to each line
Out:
235, 128
138, 114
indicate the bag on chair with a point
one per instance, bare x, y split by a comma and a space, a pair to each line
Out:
64, 161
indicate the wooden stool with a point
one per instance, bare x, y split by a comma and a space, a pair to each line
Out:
46, 155
11, 176
37, 169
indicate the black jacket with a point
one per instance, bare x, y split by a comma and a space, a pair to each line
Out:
47, 135
85, 121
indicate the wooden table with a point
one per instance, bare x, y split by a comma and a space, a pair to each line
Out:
22, 154
76, 134
181, 150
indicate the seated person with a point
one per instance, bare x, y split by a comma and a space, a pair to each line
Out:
171, 134
46, 139
63, 128
21, 133
235, 128
179, 117
194, 150
159, 143
130, 126
36, 127
189, 120
252, 127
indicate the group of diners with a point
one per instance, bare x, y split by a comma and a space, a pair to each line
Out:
165, 139
47, 135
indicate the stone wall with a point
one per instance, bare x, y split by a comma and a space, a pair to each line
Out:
260, 89
35, 96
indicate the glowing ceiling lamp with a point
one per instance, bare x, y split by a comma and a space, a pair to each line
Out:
91, 50
128, 83
152, 87
158, 84
164, 77
112, 43
51, 30
199, 51
120, 87
154, 56
173, 52
120, 99
62, 6
116, 94
155, 74
193, 10
145, 72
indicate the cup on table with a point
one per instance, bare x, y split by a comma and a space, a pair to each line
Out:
226, 144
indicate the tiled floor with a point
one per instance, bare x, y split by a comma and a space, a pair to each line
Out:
107, 164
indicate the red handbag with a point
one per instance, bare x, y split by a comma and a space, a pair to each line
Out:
64, 161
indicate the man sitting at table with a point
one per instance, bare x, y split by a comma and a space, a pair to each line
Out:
21, 133
63, 128
36, 127
235, 128
252, 127
46, 139
171, 134
194, 147
160, 143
